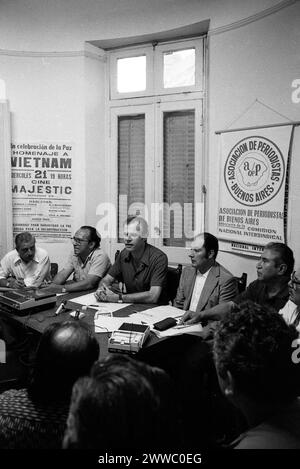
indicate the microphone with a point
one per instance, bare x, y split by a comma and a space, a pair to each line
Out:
61, 307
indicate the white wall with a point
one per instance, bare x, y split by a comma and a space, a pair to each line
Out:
56, 89
257, 61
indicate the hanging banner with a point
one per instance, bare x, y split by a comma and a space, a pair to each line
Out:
42, 190
252, 188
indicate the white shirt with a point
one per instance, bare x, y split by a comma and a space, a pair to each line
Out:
289, 313
198, 287
33, 273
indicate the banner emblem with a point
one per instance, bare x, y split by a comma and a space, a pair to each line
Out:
254, 171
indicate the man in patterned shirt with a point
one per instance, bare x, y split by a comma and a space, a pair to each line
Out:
25, 266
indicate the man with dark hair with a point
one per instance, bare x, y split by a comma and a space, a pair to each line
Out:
89, 263
253, 356
123, 404
35, 418
291, 310
270, 289
206, 283
141, 267
26, 266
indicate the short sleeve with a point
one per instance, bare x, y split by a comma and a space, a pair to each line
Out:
99, 265
159, 272
115, 270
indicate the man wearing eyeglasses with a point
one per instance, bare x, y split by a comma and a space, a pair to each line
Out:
89, 263
270, 289
291, 310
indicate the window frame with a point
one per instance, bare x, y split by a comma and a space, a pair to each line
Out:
198, 45
172, 99
113, 68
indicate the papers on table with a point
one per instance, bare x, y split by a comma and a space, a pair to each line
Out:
152, 315
90, 301
177, 330
106, 324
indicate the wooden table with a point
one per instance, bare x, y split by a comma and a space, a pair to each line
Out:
39, 320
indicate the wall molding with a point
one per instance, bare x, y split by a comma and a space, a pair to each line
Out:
54, 54
250, 19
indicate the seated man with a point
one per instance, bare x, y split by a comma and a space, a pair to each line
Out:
206, 283
140, 266
253, 350
35, 417
88, 263
123, 404
25, 266
270, 289
291, 310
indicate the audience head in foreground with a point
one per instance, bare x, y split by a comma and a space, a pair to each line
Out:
66, 351
253, 353
35, 418
123, 404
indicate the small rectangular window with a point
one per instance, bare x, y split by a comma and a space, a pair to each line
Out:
179, 68
131, 74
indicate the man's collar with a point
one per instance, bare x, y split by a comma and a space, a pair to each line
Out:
18, 259
145, 256
87, 258
282, 288
205, 275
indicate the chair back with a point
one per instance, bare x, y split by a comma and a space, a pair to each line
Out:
173, 278
242, 282
53, 269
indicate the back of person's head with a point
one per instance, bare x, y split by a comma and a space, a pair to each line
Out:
141, 224
66, 351
94, 236
254, 344
284, 256
24, 237
124, 403
211, 243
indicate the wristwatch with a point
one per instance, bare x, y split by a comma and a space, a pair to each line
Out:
120, 300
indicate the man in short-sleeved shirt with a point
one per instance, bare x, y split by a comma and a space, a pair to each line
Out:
141, 267
25, 266
89, 263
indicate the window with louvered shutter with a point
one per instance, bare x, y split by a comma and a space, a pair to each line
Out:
131, 164
179, 176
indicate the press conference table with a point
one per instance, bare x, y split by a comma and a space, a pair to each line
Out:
38, 321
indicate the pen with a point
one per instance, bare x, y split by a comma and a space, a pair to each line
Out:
181, 326
77, 314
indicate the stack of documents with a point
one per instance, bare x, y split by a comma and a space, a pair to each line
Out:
153, 315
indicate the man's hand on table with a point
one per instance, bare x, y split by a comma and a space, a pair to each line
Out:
106, 295
191, 317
